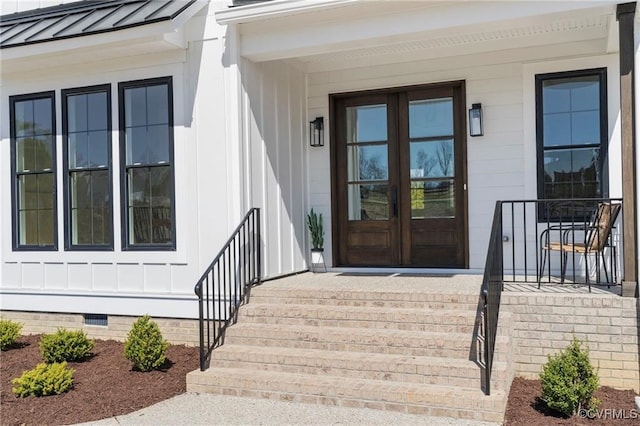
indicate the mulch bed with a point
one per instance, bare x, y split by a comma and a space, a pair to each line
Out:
104, 385
525, 408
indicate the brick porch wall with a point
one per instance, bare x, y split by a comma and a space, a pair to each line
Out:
176, 331
545, 324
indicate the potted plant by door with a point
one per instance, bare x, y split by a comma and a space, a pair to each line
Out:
314, 222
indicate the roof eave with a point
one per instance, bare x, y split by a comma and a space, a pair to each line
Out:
274, 9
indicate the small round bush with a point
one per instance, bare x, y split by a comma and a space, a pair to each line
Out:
65, 345
9, 333
569, 380
145, 346
44, 380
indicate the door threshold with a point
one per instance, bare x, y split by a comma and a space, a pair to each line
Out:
391, 271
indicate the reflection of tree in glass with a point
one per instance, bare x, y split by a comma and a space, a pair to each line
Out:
425, 163
444, 154
370, 167
35, 152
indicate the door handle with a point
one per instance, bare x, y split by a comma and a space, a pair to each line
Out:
394, 200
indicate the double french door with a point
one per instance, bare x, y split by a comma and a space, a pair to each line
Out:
399, 178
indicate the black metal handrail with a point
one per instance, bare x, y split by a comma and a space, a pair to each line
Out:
492, 286
528, 227
223, 286
535, 228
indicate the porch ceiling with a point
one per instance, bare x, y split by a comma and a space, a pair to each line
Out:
353, 33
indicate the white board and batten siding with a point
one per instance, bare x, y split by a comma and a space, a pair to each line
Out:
207, 181
275, 159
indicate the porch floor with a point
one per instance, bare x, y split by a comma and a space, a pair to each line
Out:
431, 283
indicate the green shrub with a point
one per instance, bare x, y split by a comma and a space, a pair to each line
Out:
9, 333
65, 345
569, 380
45, 379
145, 346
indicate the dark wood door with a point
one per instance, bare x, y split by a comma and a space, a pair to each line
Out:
398, 164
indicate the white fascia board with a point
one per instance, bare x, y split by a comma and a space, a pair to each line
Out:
274, 9
285, 41
143, 33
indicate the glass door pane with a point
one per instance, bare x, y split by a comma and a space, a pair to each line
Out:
431, 158
367, 163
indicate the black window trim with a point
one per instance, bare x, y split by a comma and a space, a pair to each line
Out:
124, 193
604, 128
15, 223
68, 245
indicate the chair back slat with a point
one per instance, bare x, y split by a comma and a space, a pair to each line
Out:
602, 225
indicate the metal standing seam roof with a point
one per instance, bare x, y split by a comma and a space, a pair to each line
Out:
84, 18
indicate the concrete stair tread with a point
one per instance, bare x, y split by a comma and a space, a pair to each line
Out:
340, 330
454, 397
294, 310
367, 360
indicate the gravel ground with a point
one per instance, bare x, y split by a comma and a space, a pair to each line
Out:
200, 409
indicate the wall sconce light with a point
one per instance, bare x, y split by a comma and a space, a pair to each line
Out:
316, 132
475, 120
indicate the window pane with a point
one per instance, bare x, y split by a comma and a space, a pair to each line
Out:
432, 159
28, 192
91, 209
158, 144
44, 153
557, 129
36, 209
101, 207
368, 162
161, 205
157, 105
78, 151
81, 227
97, 111
77, 113
367, 123
432, 199
556, 96
135, 107
81, 190
572, 173
24, 118
368, 202
42, 116
46, 227
136, 142
98, 147
28, 227
585, 93
45, 191
433, 117
586, 127
25, 154
139, 206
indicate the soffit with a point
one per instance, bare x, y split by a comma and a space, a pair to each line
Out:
357, 29
589, 28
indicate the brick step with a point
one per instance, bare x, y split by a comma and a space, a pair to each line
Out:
435, 400
400, 368
349, 297
449, 321
407, 342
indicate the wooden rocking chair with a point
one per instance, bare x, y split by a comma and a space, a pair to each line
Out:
596, 238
